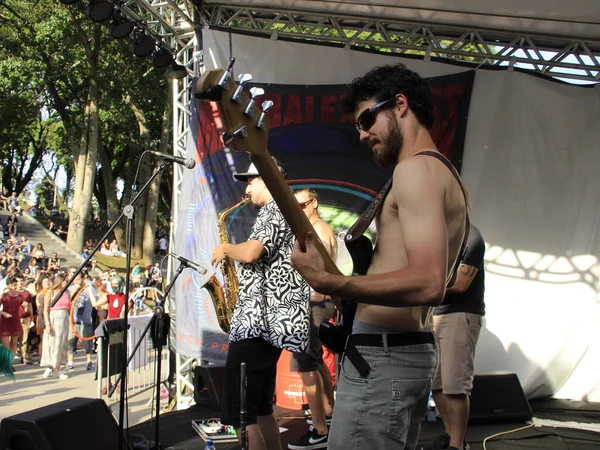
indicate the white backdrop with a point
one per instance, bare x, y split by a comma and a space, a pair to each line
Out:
531, 164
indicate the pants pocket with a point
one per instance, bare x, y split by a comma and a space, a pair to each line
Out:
408, 403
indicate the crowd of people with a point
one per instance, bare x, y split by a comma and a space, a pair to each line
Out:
39, 330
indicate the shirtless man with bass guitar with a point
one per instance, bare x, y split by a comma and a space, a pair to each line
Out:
391, 355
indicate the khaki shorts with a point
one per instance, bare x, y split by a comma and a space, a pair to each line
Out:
457, 335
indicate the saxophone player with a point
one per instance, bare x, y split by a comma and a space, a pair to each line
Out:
272, 313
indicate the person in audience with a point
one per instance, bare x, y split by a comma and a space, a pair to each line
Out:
52, 227
82, 318
54, 262
115, 300
114, 249
56, 330
163, 246
33, 346
136, 271
61, 232
10, 325
33, 266
11, 225
93, 269
25, 245
40, 255
13, 204
105, 248
27, 312
4, 198
16, 263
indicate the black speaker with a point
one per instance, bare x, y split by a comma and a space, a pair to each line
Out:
208, 385
498, 397
75, 424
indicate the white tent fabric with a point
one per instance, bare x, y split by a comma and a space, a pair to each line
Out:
530, 163
575, 18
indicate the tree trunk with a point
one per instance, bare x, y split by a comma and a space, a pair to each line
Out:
154, 193
86, 158
144, 174
112, 204
85, 173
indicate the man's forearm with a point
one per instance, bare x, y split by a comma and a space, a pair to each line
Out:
397, 289
244, 252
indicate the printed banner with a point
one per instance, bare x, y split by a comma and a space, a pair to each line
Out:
320, 149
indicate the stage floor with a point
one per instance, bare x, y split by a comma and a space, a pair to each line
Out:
176, 432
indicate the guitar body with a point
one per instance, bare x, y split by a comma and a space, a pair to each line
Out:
334, 336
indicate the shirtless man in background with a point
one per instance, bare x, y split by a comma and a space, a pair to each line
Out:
391, 356
313, 371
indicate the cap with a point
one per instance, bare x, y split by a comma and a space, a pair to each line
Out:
253, 172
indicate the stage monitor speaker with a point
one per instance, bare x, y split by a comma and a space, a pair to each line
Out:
208, 385
75, 424
498, 397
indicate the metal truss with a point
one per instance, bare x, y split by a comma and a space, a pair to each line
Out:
553, 56
173, 24
168, 21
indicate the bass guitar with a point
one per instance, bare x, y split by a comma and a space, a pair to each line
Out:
245, 129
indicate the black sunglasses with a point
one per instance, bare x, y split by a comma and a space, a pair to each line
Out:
367, 118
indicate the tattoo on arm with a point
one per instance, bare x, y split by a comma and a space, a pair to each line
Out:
466, 270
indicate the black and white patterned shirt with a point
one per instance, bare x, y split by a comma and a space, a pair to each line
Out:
273, 299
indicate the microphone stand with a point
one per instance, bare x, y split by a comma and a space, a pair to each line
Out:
243, 386
128, 213
157, 318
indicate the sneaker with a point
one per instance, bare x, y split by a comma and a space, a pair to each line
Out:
88, 366
327, 420
70, 367
441, 442
48, 373
311, 440
62, 376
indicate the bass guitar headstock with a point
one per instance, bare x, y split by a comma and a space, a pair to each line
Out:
246, 126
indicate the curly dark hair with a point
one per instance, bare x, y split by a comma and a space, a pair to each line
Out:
384, 82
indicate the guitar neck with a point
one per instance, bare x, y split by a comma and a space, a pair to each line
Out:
284, 197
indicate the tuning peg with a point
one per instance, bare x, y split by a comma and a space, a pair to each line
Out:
223, 81
244, 78
254, 92
266, 106
240, 132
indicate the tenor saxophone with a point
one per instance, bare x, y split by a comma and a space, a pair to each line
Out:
224, 297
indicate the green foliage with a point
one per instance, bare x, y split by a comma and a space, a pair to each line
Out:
47, 63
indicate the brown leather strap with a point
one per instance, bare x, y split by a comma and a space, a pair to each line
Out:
452, 169
366, 217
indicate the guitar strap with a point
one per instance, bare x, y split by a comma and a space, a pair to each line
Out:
366, 217
463, 247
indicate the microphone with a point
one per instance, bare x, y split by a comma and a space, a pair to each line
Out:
189, 163
192, 265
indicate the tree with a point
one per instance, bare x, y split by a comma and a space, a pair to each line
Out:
83, 76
